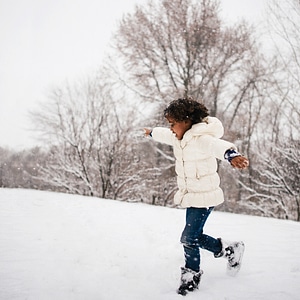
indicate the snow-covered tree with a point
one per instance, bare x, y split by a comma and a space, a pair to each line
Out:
275, 183
182, 48
87, 138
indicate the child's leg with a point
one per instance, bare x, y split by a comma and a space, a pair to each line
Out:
192, 237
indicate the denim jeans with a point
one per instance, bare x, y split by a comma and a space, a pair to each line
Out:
193, 238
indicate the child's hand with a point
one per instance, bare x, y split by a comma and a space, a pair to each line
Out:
240, 162
147, 132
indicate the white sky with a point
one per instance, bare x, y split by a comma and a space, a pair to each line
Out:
45, 42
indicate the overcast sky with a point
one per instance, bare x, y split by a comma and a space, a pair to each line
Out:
35, 36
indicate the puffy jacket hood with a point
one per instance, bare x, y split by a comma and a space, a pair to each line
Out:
210, 126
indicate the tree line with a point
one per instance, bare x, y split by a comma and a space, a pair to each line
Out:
165, 50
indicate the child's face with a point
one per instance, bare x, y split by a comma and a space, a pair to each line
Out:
179, 128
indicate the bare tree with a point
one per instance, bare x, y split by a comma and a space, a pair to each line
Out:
87, 138
272, 188
179, 48
284, 23
275, 184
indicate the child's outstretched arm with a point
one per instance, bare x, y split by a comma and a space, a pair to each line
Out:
236, 159
160, 134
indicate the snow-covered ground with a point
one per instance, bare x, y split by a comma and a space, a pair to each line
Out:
64, 247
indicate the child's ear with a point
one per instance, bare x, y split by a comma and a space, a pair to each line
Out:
188, 123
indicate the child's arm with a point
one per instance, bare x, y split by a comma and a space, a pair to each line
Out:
236, 159
160, 134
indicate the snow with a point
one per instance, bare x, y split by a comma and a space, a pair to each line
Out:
67, 247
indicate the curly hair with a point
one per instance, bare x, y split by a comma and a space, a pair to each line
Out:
186, 109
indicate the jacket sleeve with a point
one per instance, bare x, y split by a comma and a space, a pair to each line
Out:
163, 135
216, 147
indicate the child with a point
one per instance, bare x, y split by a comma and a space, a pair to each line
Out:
196, 142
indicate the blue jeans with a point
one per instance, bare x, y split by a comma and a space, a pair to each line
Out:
193, 238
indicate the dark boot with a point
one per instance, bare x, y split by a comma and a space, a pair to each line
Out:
189, 281
233, 252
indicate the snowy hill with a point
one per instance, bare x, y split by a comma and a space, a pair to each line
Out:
64, 247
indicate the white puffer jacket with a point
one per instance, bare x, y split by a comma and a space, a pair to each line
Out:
196, 165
